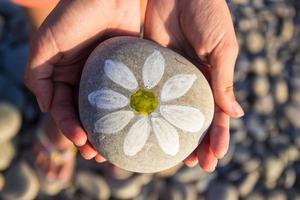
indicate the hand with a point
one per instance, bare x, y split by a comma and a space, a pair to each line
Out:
202, 31
59, 50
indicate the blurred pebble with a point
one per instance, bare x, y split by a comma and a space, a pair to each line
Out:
260, 66
273, 170
180, 191
275, 68
10, 121
248, 183
261, 86
255, 196
281, 91
255, 42
93, 185
289, 178
241, 154
277, 195
187, 175
251, 165
264, 105
7, 153
2, 182
222, 191
287, 31
21, 182
292, 112
128, 188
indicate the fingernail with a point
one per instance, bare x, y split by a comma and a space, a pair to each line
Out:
40, 105
237, 109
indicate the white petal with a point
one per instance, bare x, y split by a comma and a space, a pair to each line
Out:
120, 74
113, 122
184, 117
153, 69
166, 135
107, 99
177, 86
137, 136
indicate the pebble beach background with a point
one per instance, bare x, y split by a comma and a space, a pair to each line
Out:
263, 161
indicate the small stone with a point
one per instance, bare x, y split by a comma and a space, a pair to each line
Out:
261, 86
10, 121
260, 66
92, 185
21, 182
241, 154
251, 165
130, 188
187, 175
2, 182
287, 31
264, 105
255, 42
222, 191
290, 178
180, 191
255, 196
249, 182
240, 2
7, 153
292, 113
273, 170
281, 91
275, 68
139, 102
277, 195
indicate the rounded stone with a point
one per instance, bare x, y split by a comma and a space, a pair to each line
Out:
10, 121
21, 182
145, 108
7, 153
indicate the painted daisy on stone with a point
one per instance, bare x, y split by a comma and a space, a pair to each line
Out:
151, 111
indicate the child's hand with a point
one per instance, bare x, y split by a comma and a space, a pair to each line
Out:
60, 49
203, 31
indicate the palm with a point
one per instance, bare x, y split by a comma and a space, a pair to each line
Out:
175, 24
60, 49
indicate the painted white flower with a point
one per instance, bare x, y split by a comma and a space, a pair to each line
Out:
154, 114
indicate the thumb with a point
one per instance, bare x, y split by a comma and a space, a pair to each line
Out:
222, 59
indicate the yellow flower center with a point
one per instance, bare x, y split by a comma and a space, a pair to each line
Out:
144, 102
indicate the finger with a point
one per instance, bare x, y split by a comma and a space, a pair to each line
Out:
191, 160
65, 116
38, 81
87, 151
99, 158
206, 157
219, 134
223, 59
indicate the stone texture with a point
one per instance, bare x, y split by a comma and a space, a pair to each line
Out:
249, 182
222, 191
7, 153
93, 185
134, 52
21, 183
10, 121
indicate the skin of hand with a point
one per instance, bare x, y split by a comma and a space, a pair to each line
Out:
202, 31
59, 50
